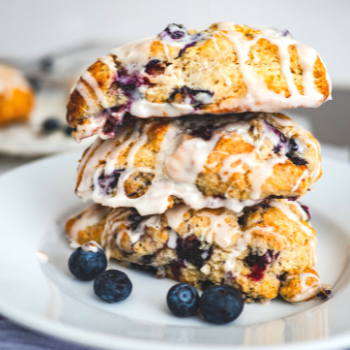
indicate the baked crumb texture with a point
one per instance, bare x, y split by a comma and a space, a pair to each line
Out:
223, 69
266, 251
231, 161
195, 175
16, 96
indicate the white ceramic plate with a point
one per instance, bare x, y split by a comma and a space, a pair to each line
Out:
35, 199
28, 140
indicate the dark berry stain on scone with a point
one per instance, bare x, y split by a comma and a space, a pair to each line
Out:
176, 269
108, 182
283, 140
307, 210
147, 259
178, 33
195, 97
259, 264
154, 67
289, 145
134, 219
130, 83
205, 132
188, 249
292, 148
174, 31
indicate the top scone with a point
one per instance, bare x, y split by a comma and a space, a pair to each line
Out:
225, 68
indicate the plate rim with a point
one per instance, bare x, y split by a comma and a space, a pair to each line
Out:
78, 335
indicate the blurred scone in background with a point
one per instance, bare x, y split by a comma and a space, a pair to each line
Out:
54, 49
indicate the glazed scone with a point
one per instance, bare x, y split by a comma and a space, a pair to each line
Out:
223, 69
206, 162
260, 251
88, 224
302, 285
16, 96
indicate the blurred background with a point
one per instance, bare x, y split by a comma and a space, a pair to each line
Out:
53, 42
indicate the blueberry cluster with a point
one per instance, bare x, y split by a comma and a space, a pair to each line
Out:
218, 304
52, 124
89, 262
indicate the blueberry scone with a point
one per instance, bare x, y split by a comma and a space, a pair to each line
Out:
266, 250
205, 162
223, 69
16, 96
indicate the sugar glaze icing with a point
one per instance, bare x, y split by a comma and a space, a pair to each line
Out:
133, 57
178, 164
220, 230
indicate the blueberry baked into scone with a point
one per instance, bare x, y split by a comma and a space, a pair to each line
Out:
258, 251
231, 161
195, 174
225, 68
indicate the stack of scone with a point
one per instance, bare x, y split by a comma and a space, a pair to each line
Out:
195, 173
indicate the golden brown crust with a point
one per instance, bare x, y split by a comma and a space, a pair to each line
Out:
153, 149
278, 248
210, 65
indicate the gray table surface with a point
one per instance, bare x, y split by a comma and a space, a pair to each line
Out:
14, 337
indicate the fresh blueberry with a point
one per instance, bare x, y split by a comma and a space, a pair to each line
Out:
221, 304
68, 130
88, 261
112, 286
50, 125
183, 300
205, 285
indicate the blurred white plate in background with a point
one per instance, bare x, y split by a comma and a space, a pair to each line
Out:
28, 139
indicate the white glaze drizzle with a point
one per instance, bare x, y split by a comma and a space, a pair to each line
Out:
241, 246
134, 56
307, 292
178, 164
85, 94
89, 217
215, 43
228, 81
175, 215
94, 85
288, 212
270, 231
244, 241
135, 52
189, 159
172, 240
301, 178
304, 139
219, 230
